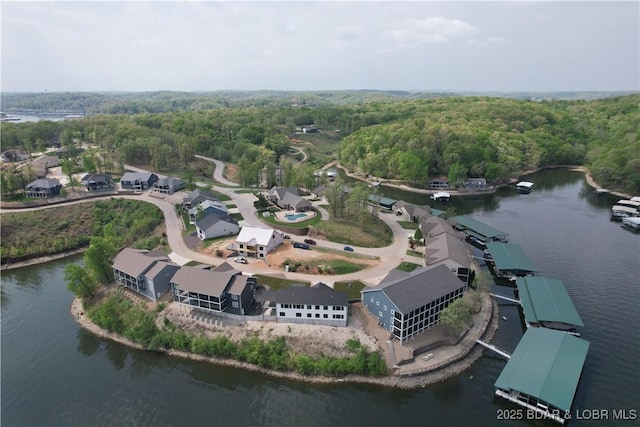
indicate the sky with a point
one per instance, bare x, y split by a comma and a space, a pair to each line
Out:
538, 46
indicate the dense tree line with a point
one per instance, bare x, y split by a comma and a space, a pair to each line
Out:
399, 138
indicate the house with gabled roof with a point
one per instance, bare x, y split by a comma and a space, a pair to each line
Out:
288, 198
43, 188
213, 225
206, 207
144, 272
138, 181
445, 246
258, 242
315, 305
222, 290
98, 182
406, 304
168, 185
411, 212
196, 197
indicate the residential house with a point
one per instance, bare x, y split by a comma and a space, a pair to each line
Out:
43, 188
45, 162
168, 185
196, 197
288, 198
445, 246
222, 290
475, 183
212, 225
258, 242
138, 181
318, 191
144, 272
406, 304
97, 182
440, 182
206, 207
410, 212
315, 305
14, 155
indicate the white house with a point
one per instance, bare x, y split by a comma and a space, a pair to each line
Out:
258, 242
213, 225
315, 305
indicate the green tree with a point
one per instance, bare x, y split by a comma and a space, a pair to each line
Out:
79, 281
98, 259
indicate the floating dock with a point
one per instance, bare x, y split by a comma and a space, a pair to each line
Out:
543, 372
510, 260
478, 230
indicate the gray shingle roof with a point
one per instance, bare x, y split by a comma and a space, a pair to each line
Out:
420, 287
315, 295
208, 282
135, 262
212, 219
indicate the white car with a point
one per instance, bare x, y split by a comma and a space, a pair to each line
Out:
241, 260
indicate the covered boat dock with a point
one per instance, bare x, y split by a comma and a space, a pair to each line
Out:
545, 302
477, 230
543, 372
510, 260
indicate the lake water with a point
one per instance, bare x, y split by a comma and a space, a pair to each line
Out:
55, 373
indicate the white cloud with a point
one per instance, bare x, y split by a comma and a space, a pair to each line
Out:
429, 30
488, 41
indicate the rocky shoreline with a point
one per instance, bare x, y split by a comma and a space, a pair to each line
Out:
418, 381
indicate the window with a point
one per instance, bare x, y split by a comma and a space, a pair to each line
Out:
325, 316
385, 308
298, 314
326, 307
380, 314
281, 314
317, 307
308, 307
308, 314
234, 304
317, 315
378, 303
234, 297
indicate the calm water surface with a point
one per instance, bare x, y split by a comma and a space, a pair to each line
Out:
54, 373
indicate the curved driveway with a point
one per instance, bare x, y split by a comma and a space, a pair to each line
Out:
390, 256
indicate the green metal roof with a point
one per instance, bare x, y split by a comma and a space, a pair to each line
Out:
509, 256
546, 300
547, 365
481, 230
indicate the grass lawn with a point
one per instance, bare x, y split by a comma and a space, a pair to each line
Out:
277, 282
352, 288
272, 220
415, 253
323, 265
408, 225
374, 234
407, 266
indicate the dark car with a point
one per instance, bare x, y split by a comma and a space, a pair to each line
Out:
348, 248
300, 245
310, 241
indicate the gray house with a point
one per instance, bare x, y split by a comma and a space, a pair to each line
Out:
213, 225
196, 197
315, 305
147, 273
97, 182
138, 181
168, 185
43, 188
445, 246
406, 304
288, 198
223, 290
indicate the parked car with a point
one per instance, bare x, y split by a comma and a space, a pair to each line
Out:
241, 260
300, 245
286, 236
348, 248
310, 241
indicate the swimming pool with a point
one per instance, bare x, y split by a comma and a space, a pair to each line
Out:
293, 217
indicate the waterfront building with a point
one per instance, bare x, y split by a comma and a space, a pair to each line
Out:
168, 185
444, 246
545, 302
510, 261
543, 372
477, 232
146, 273
222, 290
315, 305
406, 304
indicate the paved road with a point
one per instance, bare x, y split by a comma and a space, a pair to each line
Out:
390, 256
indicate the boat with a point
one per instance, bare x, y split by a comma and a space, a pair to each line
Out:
621, 211
441, 196
632, 222
635, 204
504, 317
524, 187
600, 191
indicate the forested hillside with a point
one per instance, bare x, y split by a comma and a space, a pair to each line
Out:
501, 138
392, 136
